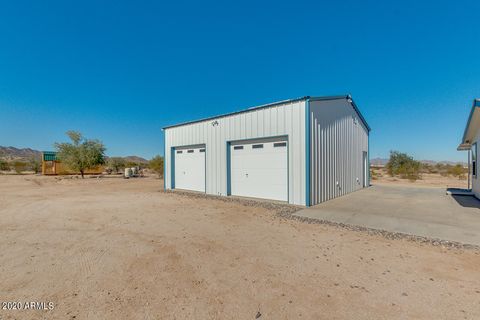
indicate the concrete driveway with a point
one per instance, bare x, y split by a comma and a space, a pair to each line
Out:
427, 212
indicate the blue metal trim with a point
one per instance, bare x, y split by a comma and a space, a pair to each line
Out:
164, 161
337, 97
307, 153
172, 167
258, 138
368, 159
229, 177
172, 160
206, 168
185, 146
229, 142
268, 105
349, 99
357, 110
345, 96
288, 168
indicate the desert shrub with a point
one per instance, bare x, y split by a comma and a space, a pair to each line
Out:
140, 165
156, 164
116, 164
4, 166
428, 168
402, 165
375, 172
34, 165
129, 164
425, 168
19, 166
443, 169
458, 171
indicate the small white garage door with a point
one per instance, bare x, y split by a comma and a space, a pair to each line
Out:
259, 169
190, 168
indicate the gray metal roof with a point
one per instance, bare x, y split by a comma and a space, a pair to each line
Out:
476, 104
345, 96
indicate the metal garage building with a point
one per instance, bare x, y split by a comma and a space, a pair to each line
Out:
303, 151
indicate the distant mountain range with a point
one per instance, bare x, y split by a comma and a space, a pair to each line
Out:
135, 159
378, 161
12, 153
383, 161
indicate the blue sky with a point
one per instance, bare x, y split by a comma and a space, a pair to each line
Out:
121, 70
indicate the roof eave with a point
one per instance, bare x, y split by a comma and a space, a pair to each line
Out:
476, 104
464, 146
343, 96
263, 106
354, 105
348, 97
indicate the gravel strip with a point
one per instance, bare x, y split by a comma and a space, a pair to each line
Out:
286, 211
279, 208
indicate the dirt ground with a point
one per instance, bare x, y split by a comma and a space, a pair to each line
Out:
122, 249
380, 176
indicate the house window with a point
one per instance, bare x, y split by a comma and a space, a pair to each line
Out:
474, 159
279, 144
202, 150
180, 151
190, 151
257, 146
238, 148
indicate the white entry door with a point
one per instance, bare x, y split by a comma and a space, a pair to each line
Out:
259, 169
190, 169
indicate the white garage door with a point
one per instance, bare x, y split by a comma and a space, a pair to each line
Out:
190, 169
260, 170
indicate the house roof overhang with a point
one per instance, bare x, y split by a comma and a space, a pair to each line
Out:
472, 127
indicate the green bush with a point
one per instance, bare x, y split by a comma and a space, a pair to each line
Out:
445, 170
375, 172
156, 164
4, 166
130, 164
429, 168
81, 154
34, 165
404, 166
20, 166
116, 164
457, 171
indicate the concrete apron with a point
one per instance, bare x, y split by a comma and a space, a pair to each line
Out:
426, 212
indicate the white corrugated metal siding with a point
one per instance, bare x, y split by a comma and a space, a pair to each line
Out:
338, 138
279, 120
